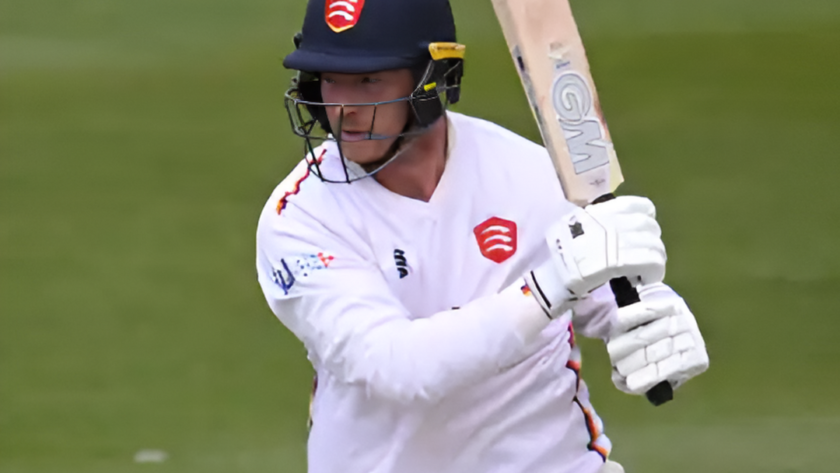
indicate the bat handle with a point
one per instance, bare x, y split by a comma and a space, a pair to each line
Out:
625, 294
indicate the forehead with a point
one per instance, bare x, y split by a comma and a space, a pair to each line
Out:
395, 74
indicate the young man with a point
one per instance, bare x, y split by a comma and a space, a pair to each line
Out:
432, 268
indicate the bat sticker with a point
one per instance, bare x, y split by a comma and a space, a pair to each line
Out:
573, 102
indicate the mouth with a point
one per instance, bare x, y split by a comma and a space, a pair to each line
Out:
354, 136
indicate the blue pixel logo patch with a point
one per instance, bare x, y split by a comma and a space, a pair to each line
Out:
300, 267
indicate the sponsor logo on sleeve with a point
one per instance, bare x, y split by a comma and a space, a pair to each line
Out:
496, 239
283, 277
294, 268
341, 15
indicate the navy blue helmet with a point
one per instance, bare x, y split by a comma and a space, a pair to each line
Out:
358, 36
366, 36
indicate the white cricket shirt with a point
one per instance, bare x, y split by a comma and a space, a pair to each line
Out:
429, 354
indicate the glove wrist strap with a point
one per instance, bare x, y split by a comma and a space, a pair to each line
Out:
549, 290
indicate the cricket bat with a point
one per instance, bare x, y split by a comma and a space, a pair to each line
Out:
548, 53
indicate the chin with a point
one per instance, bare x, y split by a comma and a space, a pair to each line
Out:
365, 152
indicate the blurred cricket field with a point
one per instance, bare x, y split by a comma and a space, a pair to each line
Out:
140, 139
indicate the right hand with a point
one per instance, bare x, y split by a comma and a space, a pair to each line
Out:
654, 340
617, 238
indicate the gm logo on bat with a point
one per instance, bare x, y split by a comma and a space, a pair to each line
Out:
583, 129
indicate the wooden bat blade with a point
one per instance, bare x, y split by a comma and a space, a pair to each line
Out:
549, 56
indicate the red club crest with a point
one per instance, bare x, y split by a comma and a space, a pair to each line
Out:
496, 239
342, 15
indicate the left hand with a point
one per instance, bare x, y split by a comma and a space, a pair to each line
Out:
656, 340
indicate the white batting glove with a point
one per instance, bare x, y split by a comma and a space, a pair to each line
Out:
656, 340
593, 245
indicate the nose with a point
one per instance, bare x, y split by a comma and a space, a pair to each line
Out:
339, 113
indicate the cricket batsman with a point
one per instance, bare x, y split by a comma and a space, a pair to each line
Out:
436, 275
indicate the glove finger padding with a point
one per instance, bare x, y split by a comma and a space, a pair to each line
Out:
653, 353
619, 238
627, 204
676, 369
643, 265
630, 222
632, 241
639, 325
635, 315
655, 341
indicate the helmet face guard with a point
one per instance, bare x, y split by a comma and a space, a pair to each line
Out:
438, 86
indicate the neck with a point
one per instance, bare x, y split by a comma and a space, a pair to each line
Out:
417, 171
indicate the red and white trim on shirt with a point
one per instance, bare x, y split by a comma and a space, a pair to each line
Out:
598, 442
281, 204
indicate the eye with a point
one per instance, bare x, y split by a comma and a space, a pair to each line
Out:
327, 80
370, 80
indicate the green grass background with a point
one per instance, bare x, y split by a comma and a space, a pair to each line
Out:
139, 140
